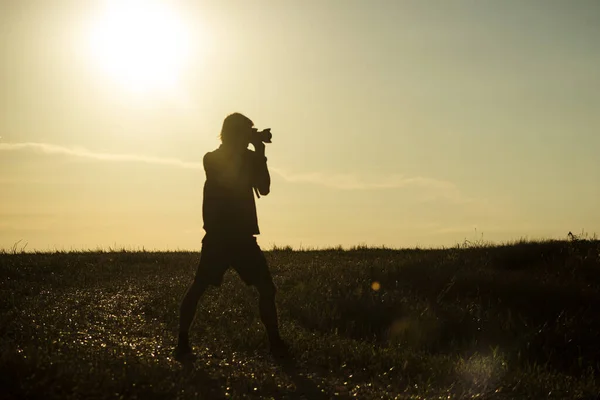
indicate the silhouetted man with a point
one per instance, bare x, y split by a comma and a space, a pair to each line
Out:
232, 173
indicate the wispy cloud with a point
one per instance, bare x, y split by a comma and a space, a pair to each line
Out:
351, 182
336, 181
84, 153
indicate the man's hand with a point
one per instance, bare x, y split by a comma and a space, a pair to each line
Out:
259, 147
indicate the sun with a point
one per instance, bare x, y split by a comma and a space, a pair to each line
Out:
143, 45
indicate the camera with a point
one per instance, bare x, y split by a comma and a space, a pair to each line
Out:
264, 136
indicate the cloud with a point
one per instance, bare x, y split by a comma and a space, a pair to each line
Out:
430, 189
84, 153
351, 182
436, 187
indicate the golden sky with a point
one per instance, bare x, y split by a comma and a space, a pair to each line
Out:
396, 123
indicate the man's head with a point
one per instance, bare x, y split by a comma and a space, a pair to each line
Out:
237, 130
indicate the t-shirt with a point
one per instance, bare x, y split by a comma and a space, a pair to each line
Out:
229, 208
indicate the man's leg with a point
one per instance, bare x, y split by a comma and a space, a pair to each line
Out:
251, 264
211, 268
268, 315
188, 311
268, 309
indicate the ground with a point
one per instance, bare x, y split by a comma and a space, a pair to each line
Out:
475, 321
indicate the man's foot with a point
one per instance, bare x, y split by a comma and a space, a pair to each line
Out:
279, 349
184, 353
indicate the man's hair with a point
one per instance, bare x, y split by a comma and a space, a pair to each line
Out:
232, 124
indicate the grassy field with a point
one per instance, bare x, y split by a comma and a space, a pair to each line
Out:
494, 322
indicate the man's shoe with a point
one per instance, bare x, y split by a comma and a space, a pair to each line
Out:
184, 353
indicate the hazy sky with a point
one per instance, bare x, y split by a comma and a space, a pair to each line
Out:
395, 123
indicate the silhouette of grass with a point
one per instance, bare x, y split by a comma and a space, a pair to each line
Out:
511, 321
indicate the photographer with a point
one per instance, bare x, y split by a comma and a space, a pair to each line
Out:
233, 172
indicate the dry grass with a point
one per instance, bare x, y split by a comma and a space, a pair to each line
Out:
513, 321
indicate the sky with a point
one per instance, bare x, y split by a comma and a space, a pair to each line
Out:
395, 123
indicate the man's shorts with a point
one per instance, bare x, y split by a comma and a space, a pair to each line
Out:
242, 254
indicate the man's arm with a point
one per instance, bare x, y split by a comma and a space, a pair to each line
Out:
261, 179
209, 168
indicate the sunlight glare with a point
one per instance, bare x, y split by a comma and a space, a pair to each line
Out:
143, 45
